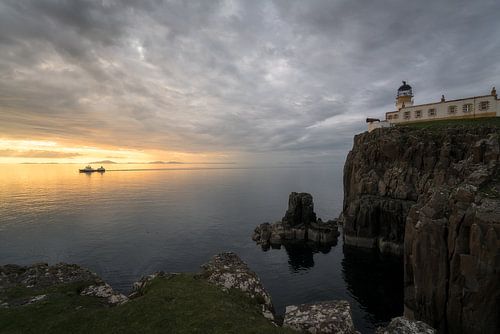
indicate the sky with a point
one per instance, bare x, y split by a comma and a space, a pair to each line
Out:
266, 82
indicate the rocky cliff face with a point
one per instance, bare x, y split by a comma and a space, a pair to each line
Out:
433, 197
388, 170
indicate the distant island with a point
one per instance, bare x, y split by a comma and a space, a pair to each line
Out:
103, 162
159, 162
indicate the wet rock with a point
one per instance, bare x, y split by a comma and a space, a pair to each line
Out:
324, 317
228, 271
401, 325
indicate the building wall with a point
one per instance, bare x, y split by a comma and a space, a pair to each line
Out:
377, 125
442, 110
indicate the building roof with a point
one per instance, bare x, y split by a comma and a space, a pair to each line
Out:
404, 87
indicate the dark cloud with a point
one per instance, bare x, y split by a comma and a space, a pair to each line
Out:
280, 78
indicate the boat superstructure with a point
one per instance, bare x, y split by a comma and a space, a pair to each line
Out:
89, 169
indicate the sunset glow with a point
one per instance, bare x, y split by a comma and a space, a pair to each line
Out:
40, 151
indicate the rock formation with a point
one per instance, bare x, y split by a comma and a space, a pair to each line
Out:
452, 261
228, 271
433, 197
40, 276
402, 325
325, 317
298, 224
389, 169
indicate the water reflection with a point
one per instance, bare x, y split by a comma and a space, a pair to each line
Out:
375, 281
301, 253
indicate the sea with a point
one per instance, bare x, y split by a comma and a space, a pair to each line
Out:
136, 219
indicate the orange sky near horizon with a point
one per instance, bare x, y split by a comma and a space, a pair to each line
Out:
48, 151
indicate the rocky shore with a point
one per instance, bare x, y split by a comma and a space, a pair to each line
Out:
432, 196
68, 298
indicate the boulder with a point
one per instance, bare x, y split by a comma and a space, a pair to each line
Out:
228, 271
324, 317
41, 276
402, 325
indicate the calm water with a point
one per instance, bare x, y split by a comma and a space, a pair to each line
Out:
127, 223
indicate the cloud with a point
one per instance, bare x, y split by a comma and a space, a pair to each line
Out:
244, 77
37, 154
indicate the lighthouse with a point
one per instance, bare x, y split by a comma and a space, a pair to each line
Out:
405, 96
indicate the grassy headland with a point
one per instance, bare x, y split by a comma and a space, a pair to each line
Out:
181, 304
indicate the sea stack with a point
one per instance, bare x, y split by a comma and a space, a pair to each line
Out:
298, 224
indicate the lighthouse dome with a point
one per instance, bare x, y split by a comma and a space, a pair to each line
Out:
404, 87
405, 90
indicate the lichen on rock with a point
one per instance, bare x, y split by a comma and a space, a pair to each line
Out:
402, 325
324, 317
228, 271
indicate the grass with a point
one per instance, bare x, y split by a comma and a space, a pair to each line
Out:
182, 304
487, 121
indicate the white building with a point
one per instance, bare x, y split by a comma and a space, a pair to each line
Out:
407, 112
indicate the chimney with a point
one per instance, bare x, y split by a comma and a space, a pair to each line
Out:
494, 92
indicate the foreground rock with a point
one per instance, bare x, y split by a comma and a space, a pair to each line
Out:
402, 325
298, 224
325, 317
40, 276
228, 271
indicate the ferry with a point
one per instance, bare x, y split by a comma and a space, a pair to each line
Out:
89, 169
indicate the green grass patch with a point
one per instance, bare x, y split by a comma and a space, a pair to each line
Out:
182, 304
472, 122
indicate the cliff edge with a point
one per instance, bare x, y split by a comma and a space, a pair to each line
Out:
433, 196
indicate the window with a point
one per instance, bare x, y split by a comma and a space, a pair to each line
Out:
395, 116
466, 108
418, 113
407, 115
484, 105
452, 110
431, 112
389, 116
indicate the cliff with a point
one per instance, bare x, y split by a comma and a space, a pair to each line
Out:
432, 196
